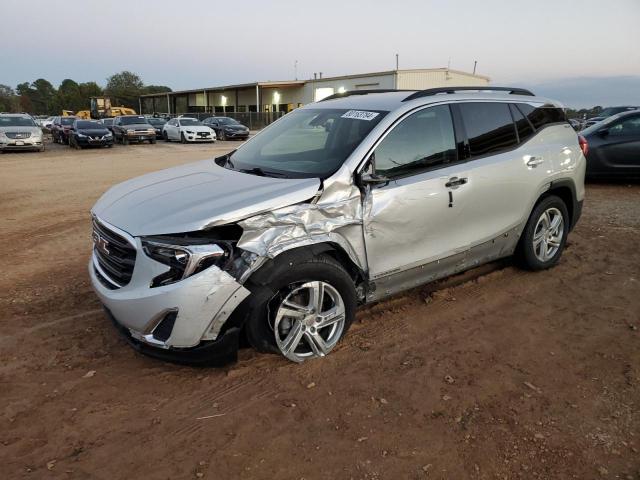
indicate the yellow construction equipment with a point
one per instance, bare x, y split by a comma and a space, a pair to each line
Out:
101, 108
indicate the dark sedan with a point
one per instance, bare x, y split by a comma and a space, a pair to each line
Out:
614, 147
227, 128
60, 129
87, 133
133, 128
158, 124
108, 123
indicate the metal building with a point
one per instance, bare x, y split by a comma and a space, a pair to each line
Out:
284, 96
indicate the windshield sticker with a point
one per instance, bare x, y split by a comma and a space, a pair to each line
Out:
360, 115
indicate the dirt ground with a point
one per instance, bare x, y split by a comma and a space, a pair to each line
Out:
498, 373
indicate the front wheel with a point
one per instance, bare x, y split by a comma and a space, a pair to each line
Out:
125, 140
152, 141
545, 234
165, 136
303, 310
182, 138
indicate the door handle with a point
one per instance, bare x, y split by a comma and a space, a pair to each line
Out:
455, 182
533, 161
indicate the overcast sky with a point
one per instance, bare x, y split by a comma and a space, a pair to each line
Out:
196, 43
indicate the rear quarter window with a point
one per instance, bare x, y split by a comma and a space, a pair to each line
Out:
542, 116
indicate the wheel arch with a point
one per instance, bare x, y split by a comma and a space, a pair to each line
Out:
565, 189
301, 253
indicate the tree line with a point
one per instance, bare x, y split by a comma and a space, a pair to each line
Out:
40, 97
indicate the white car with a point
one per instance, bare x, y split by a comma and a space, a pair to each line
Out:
186, 129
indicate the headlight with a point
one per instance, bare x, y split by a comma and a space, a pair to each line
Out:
81, 135
109, 135
189, 132
182, 260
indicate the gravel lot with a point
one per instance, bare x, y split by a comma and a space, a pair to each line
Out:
497, 373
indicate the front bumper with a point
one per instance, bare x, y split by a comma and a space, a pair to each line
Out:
236, 134
88, 142
200, 304
26, 144
214, 353
194, 137
140, 136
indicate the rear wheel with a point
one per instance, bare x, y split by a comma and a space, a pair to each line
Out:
545, 234
221, 135
303, 310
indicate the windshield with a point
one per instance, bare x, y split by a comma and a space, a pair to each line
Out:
16, 122
228, 121
186, 122
87, 125
156, 121
305, 143
67, 120
607, 112
132, 120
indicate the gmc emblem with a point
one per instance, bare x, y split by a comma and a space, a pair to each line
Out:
100, 243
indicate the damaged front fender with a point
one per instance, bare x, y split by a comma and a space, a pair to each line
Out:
334, 216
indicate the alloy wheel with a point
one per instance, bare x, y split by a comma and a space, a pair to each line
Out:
548, 234
309, 321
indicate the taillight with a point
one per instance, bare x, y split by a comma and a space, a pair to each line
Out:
584, 145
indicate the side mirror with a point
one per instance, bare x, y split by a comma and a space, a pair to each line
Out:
373, 179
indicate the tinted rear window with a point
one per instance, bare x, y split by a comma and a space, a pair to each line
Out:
541, 116
489, 127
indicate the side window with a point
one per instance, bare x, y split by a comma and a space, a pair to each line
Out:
524, 128
629, 127
422, 141
541, 116
489, 127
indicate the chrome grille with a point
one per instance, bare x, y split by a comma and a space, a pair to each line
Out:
114, 256
18, 135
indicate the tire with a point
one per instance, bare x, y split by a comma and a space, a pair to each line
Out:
182, 138
152, 141
541, 244
42, 148
165, 136
222, 137
282, 280
125, 140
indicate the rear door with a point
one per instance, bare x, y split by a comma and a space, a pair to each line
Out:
505, 174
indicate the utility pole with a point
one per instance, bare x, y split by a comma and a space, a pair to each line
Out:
295, 69
475, 64
397, 61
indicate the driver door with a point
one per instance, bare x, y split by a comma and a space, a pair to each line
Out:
417, 217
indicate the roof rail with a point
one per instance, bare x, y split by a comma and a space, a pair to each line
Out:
348, 93
435, 91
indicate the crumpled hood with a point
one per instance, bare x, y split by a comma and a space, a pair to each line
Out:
195, 196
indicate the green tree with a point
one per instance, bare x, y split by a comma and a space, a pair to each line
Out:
155, 89
9, 101
124, 88
44, 97
70, 97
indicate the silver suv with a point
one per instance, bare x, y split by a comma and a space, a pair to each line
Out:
19, 131
339, 203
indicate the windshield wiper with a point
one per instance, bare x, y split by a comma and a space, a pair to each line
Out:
262, 173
